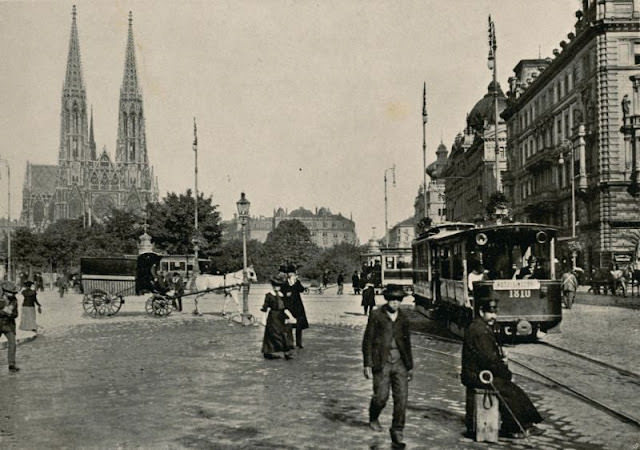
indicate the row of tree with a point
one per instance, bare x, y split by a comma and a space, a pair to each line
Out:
170, 223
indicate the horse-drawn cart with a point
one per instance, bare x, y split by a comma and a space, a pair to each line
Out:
106, 281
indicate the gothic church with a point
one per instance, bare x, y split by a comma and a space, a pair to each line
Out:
86, 184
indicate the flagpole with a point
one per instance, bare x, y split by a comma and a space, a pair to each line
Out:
424, 149
493, 47
196, 267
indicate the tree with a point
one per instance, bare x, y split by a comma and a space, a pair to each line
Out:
343, 257
289, 243
229, 257
171, 224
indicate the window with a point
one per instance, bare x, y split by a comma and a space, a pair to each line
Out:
636, 56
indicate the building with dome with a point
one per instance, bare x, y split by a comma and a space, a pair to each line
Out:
86, 183
436, 205
574, 105
470, 173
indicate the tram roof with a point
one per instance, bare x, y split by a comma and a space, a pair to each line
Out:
448, 233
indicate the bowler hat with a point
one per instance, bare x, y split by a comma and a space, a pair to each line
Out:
291, 268
394, 292
28, 283
8, 286
282, 268
488, 305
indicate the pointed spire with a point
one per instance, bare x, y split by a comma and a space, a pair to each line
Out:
92, 141
73, 78
130, 79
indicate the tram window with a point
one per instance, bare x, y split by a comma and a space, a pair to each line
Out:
388, 261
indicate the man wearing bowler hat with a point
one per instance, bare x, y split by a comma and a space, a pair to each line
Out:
386, 349
8, 314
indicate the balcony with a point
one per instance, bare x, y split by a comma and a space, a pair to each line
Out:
540, 161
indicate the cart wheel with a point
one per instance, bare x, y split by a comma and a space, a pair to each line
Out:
113, 305
148, 306
94, 303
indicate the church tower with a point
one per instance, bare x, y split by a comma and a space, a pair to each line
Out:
131, 145
74, 134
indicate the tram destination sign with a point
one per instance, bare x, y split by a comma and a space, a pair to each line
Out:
510, 285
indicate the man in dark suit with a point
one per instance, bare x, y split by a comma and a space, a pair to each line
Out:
386, 349
480, 352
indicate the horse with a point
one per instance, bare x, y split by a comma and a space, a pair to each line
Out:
226, 284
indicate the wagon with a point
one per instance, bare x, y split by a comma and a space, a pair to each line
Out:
107, 281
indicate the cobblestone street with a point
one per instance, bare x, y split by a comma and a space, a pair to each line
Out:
184, 381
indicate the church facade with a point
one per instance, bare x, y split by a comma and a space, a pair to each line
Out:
86, 183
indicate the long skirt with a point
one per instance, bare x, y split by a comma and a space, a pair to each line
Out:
277, 335
28, 319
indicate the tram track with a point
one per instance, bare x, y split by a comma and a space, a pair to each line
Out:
622, 378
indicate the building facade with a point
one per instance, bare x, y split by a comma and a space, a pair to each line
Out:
84, 183
402, 234
470, 174
564, 120
327, 229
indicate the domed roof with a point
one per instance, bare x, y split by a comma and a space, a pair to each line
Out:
483, 111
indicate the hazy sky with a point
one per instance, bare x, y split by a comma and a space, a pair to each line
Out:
298, 103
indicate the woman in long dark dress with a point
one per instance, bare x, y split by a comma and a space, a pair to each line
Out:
292, 290
368, 298
277, 333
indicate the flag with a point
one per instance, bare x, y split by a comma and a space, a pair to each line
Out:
492, 44
424, 104
195, 135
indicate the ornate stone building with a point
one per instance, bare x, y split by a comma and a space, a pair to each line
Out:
327, 229
84, 183
564, 118
470, 175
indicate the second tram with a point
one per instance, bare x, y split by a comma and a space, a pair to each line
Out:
514, 263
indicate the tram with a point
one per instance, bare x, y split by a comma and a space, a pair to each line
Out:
529, 298
397, 267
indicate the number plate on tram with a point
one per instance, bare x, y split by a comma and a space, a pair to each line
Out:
517, 288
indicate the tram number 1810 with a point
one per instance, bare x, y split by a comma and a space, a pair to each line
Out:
519, 293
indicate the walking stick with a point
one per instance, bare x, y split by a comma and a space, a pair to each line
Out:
486, 377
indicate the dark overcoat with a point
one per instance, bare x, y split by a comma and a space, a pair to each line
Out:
293, 302
480, 351
368, 296
377, 339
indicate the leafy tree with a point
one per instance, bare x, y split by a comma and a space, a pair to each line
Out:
343, 257
229, 257
171, 224
120, 232
289, 243
28, 249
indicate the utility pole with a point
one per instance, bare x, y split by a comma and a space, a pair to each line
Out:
196, 234
386, 215
424, 149
493, 65
8, 218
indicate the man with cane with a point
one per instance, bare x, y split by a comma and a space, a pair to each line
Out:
481, 353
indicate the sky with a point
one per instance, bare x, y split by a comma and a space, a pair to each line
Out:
298, 103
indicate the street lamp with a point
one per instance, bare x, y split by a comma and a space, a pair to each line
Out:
386, 218
243, 214
573, 197
8, 218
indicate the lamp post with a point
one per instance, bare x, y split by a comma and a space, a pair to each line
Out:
243, 214
424, 150
8, 218
573, 197
386, 217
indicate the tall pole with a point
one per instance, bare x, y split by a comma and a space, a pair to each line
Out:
424, 149
573, 207
493, 64
196, 237
386, 213
8, 218
243, 214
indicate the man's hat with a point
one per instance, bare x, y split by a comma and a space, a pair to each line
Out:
28, 283
291, 268
394, 292
282, 268
8, 286
278, 280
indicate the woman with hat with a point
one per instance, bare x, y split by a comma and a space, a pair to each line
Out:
8, 314
277, 333
368, 296
292, 290
28, 318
